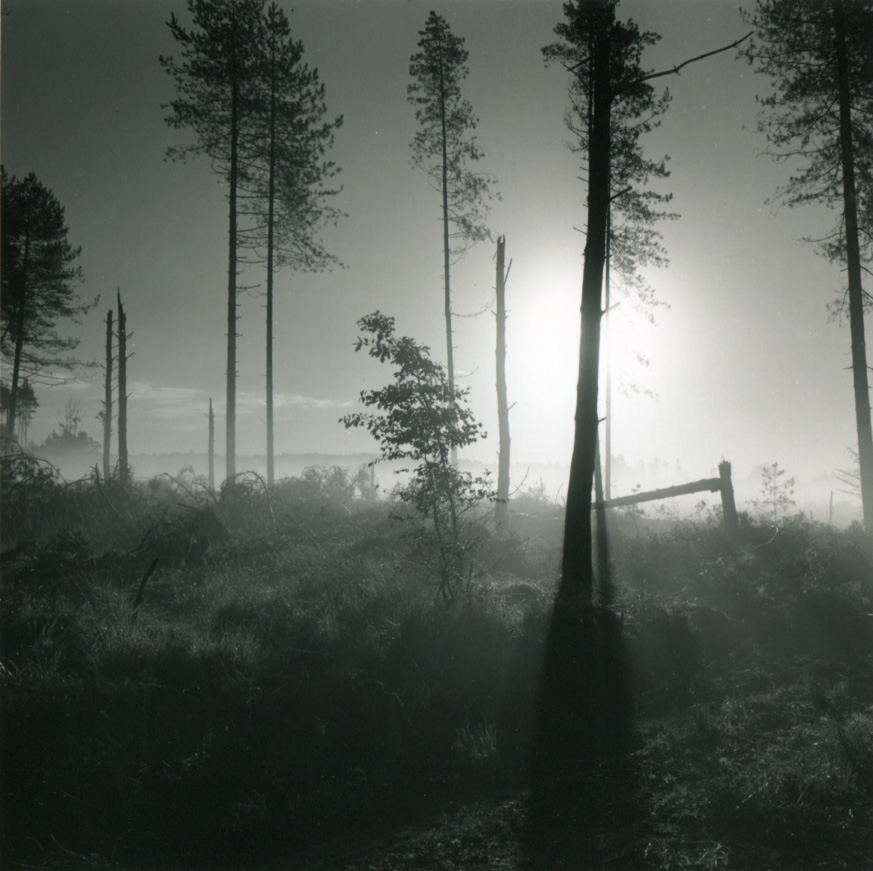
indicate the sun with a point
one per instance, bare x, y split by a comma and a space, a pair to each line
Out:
543, 333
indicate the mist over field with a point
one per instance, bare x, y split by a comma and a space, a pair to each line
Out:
812, 496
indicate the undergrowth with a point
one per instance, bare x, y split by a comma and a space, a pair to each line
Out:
287, 676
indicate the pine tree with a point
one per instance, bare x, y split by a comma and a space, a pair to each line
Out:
632, 242
444, 147
613, 107
618, 104
284, 193
584, 700
39, 286
217, 85
820, 117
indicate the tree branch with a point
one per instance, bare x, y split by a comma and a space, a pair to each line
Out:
675, 70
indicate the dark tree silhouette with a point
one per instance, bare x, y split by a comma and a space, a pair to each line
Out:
217, 84
107, 400
612, 107
39, 285
444, 147
26, 406
584, 706
284, 192
210, 449
604, 56
820, 56
632, 241
124, 472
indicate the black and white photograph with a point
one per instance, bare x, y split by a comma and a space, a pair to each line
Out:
436, 436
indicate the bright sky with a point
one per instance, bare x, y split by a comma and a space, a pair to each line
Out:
744, 361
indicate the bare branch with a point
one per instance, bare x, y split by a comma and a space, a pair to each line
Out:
675, 70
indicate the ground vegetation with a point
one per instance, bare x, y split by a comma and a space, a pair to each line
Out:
261, 678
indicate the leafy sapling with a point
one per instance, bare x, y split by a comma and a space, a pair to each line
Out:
422, 417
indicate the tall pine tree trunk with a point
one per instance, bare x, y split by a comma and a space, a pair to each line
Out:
450, 353
580, 710
576, 565
107, 402
123, 463
211, 449
853, 262
230, 415
607, 423
271, 197
502, 508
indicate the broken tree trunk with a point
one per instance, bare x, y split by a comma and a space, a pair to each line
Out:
502, 509
107, 402
729, 508
211, 447
123, 464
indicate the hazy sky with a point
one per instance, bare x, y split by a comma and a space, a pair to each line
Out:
744, 361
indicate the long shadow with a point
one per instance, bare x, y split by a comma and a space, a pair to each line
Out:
582, 783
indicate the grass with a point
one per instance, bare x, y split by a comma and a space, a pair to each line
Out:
300, 682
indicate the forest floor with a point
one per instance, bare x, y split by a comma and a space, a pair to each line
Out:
484, 835
666, 823
296, 700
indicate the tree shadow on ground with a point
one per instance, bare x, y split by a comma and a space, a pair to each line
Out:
583, 786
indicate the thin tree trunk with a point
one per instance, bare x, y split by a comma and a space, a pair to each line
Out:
19, 342
24, 419
604, 576
607, 358
271, 195
211, 449
107, 402
450, 355
502, 508
123, 467
853, 262
576, 565
582, 698
230, 414
16, 372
